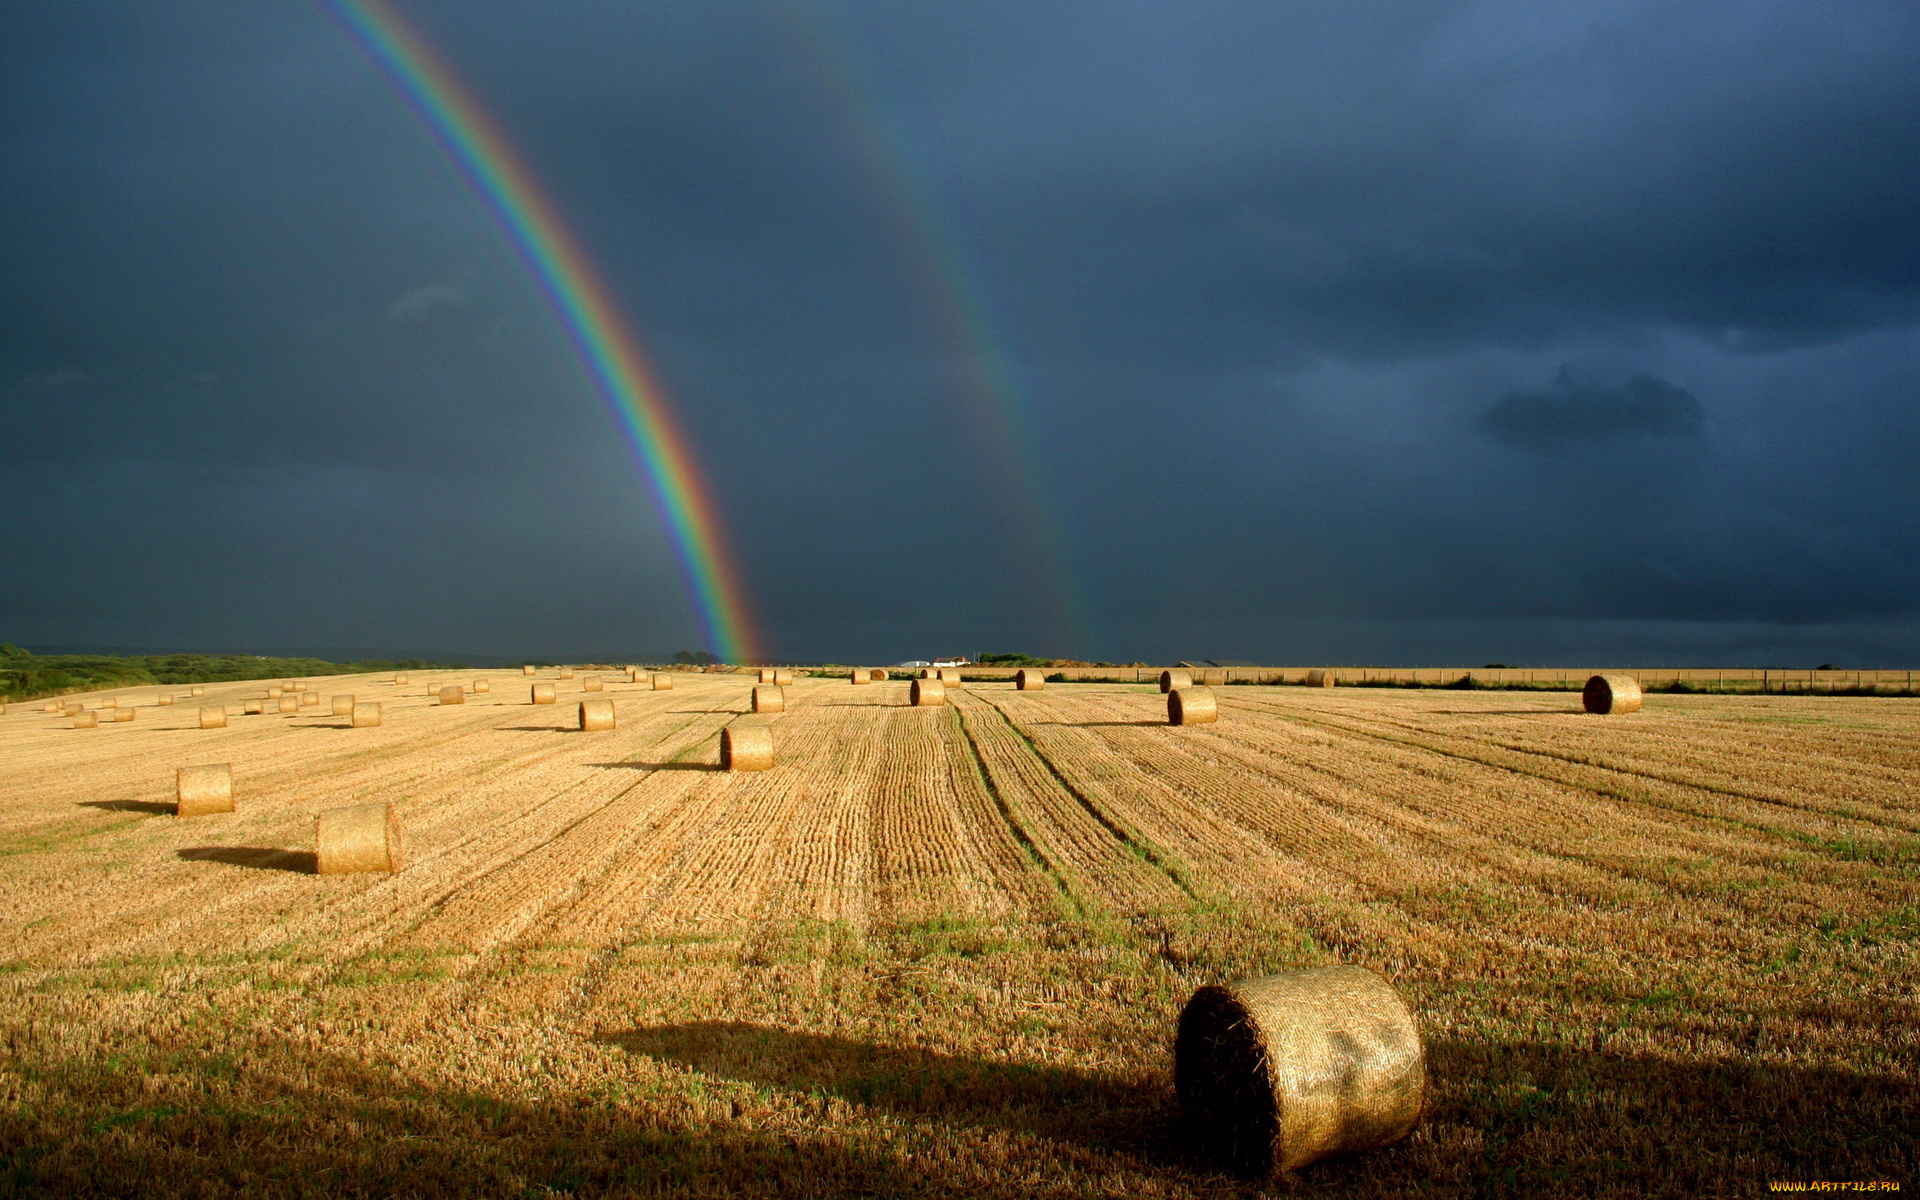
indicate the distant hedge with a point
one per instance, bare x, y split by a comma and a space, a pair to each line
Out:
27, 676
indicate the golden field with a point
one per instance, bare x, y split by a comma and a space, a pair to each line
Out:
940, 951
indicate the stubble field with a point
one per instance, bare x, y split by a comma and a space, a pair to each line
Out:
940, 951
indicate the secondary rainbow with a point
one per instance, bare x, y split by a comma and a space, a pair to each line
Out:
586, 309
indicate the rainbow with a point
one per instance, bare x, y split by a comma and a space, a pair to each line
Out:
586, 310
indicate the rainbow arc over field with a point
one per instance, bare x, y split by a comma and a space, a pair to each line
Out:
586, 309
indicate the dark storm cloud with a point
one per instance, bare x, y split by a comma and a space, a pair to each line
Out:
1574, 411
1328, 322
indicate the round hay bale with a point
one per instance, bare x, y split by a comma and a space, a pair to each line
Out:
400, 678
1170, 680
452, 694
123, 714
633, 676
859, 676
54, 708
197, 690
929, 673
526, 668
1279, 1071
86, 718
566, 672
343, 706
877, 675
746, 745
950, 676
253, 708
204, 789
72, 708
273, 693
367, 714
289, 704
543, 693
591, 683
214, 717
1211, 677
309, 697
365, 837
163, 701
928, 692
481, 687
768, 698
783, 679
1322, 677
1026, 679
767, 675
1612, 694
662, 682
1192, 706
596, 715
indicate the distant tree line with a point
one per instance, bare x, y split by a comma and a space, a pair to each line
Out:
25, 675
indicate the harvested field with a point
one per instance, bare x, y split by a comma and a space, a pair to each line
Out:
941, 951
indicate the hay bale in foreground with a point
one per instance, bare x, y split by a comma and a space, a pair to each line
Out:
163, 700
662, 682
746, 745
1026, 679
768, 698
1321, 677
927, 693
367, 714
543, 693
596, 715
365, 837
86, 718
453, 694
289, 704
343, 706
1192, 706
1605, 694
591, 683
481, 687
207, 788
1170, 680
1279, 1071
214, 717
125, 713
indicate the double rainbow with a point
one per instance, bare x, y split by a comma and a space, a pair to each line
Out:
585, 308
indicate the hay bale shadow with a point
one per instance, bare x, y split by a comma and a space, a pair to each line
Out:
1101, 724
659, 766
258, 858
157, 807
1132, 1116
536, 729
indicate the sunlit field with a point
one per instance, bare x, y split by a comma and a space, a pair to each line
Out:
940, 951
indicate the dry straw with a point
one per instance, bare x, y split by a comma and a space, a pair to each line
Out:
482, 687
1279, 1071
343, 706
566, 672
273, 693
596, 715
591, 683
1192, 706
526, 668
928, 692
1615, 694
877, 675
54, 708
859, 676
783, 678
253, 707
365, 837
367, 714
163, 700
1211, 677
543, 693
72, 708
1321, 677
768, 675
289, 704
1170, 680
309, 697
950, 676
400, 678
87, 719
451, 694
198, 690
746, 745
662, 682
123, 714
214, 717
204, 789
1026, 679
769, 699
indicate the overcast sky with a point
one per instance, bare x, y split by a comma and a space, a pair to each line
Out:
1413, 333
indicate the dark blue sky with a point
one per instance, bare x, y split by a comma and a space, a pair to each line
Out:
1366, 332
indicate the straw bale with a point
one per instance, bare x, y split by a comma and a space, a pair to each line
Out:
596, 715
878, 675
1278, 1071
566, 672
400, 677
207, 788
767, 698
1211, 677
253, 707
451, 694
859, 676
72, 707
343, 706
123, 714
1613, 694
783, 678
662, 682
481, 687
365, 837
950, 676
543, 693
163, 700
309, 697
1192, 706
1321, 677
198, 690
746, 745
54, 708
1170, 680
367, 714
1026, 679
928, 692
289, 704
526, 668
86, 719
929, 673
591, 683
214, 717
767, 675
273, 693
